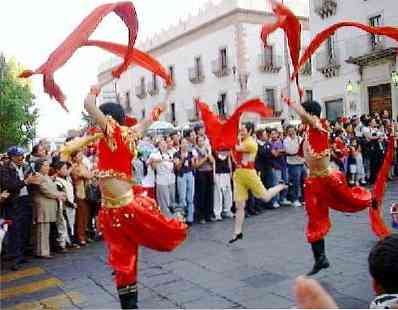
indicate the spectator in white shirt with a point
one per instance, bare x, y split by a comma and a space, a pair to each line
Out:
295, 164
163, 164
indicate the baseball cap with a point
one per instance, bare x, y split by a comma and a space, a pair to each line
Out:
15, 151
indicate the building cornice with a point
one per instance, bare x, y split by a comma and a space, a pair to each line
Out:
232, 17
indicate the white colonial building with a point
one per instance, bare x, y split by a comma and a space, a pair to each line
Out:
353, 71
216, 55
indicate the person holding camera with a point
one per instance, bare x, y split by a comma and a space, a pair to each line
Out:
17, 206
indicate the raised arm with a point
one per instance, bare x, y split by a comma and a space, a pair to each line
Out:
155, 114
300, 111
90, 103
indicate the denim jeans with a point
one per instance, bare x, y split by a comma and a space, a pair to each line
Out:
278, 176
185, 188
296, 174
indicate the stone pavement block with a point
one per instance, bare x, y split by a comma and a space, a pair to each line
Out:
242, 272
223, 284
161, 279
267, 301
240, 294
210, 302
185, 296
156, 303
264, 279
348, 302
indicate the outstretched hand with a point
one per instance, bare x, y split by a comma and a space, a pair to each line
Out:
289, 101
310, 295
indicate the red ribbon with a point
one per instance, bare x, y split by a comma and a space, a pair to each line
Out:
136, 57
375, 215
78, 38
321, 37
223, 134
290, 24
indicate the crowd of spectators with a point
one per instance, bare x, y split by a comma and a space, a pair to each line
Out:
53, 203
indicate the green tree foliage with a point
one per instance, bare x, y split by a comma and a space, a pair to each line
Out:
18, 114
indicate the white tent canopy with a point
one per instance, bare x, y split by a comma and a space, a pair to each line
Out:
161, 125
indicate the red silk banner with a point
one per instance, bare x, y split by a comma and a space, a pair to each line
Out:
223, 134
136, 57
376, 215
125, 10
321, 37
290, 24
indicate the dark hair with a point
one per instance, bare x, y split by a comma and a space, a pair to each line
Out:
312, 107
250, 127
187, 133
39, 164
115, 110
290, 127
383, 264
259, 133
35, 149
57, 166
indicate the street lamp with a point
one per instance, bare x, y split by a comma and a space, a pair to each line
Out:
394, 78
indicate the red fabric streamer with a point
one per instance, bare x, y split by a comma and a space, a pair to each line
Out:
376, 215
130, 121
290, 24
321, 37
223, 135
136, 57
125, 10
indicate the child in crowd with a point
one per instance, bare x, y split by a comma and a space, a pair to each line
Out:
67, 209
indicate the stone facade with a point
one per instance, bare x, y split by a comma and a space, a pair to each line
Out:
352, 73
217, 56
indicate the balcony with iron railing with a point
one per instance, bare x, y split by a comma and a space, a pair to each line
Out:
196, 76
325, 8
328, 63
140, 91
220, 68
269, 64
153, 88
369, 49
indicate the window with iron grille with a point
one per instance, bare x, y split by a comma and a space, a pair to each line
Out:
308, 95
128, 103
268, 55
198, 66
375, 21
171, 71
269, 97
173, 112
331, 47
223, 58
154, 82
142, 83
221, 105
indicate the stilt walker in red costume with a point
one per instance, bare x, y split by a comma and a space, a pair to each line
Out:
325, 188
127, 219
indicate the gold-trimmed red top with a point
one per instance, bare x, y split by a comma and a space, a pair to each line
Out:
317, 141
116, 151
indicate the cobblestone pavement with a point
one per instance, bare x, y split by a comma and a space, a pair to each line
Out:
257, 272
